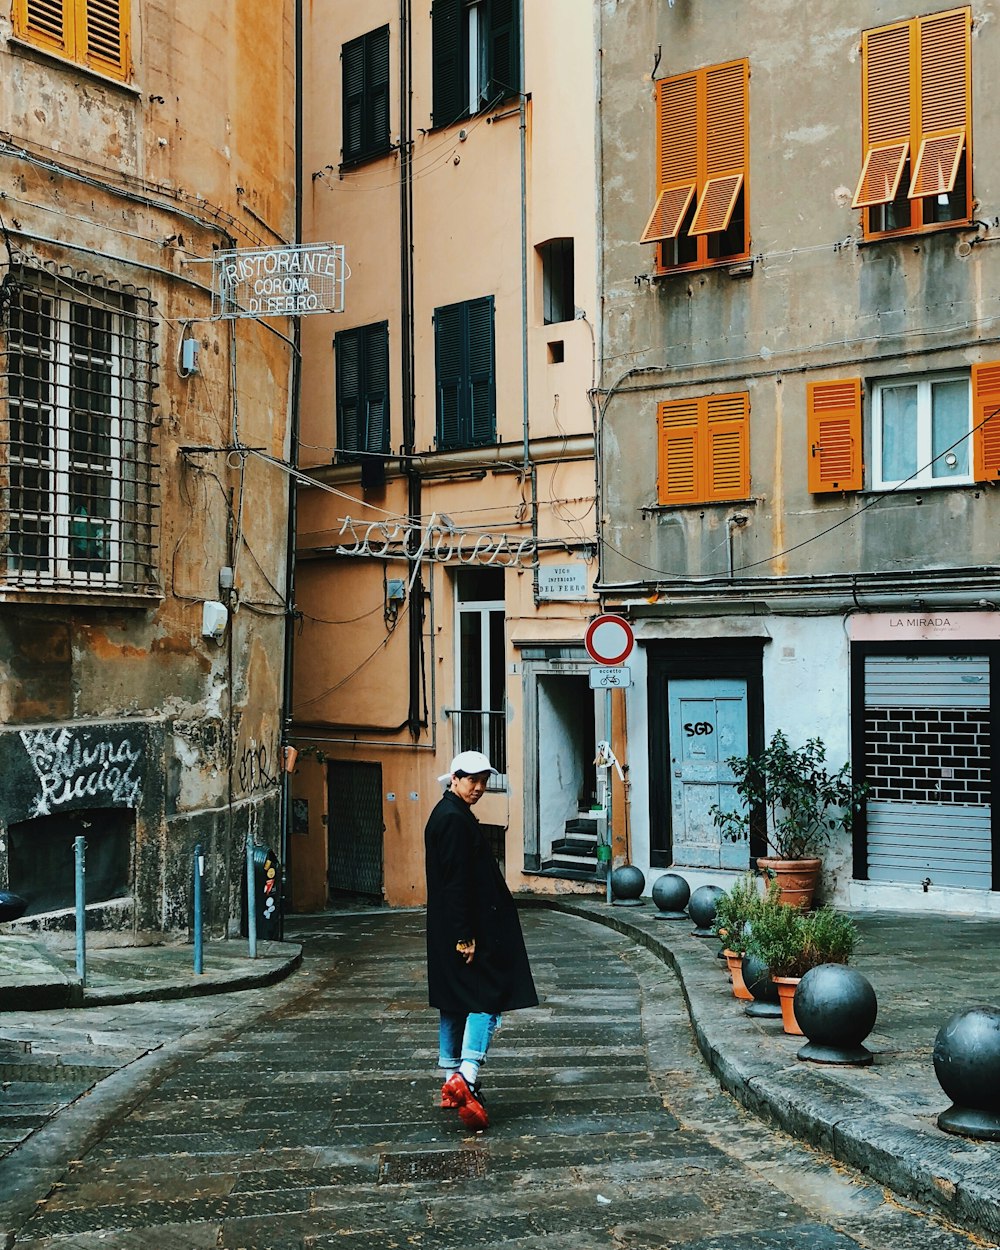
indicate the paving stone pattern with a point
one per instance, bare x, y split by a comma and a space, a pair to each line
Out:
317, 1126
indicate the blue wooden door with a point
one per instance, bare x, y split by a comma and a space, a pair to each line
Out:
708, 724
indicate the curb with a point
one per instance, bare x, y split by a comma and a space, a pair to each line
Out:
952, 1174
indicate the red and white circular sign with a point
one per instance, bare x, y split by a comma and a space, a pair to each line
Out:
609, 639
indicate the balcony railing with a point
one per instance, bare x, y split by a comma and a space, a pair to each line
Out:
474, 729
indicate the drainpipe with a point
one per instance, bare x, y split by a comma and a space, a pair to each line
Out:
527, 468
292, 522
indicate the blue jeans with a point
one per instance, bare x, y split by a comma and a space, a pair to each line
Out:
465, 1037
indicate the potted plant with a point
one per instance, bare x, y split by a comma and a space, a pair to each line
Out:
803, 804
791, 942
733, 912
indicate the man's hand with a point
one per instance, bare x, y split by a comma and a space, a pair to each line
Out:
467, 950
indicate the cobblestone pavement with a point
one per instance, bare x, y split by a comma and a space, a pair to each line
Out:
315, 1125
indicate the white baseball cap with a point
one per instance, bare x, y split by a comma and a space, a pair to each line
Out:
470, 762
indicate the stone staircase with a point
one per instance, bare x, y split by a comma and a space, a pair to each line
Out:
574, 856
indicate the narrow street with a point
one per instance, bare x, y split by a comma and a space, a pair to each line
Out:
318, 1127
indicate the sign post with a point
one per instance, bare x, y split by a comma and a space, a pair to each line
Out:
609, 641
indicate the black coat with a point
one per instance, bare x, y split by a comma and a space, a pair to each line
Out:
467, 897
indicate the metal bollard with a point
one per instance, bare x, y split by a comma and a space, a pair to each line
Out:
80, 853
251, 901
199, 882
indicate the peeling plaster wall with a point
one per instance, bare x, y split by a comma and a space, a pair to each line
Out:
134, 183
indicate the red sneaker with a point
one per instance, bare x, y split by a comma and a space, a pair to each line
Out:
448, 1099
471, 1108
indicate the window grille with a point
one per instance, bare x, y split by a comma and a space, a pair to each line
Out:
78, 472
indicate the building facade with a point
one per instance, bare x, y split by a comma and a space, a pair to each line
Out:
799, 421
446, 549
137, 439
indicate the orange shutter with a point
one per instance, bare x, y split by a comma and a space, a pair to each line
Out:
944, 101
676, 156
727, 468
103, 35
886, 117
726, 143
678, 476
46, 23
986, 421
833, 430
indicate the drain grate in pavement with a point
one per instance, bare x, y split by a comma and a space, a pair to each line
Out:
431, 1165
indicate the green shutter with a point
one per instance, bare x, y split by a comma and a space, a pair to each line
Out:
376, 354
377, 90
481, 428
353, 70
347, 345
449, 102
450, 360
505, 50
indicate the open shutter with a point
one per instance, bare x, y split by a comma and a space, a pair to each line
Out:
482, 380
679, 446
676, 156
451, 366
46, 23
986, 421
945, 98
505, 50
348, 346
448, 98
376, 366
886, 116
353, 72
104, 37
727, 428
725, 130
833, 430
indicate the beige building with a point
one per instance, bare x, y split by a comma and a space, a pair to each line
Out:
799, 419
138, 138
446, 552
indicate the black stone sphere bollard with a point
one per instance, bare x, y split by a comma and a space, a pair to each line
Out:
627, 884
671, 894
12, 906
835, 1007
701, 909
967, 1065
757, 979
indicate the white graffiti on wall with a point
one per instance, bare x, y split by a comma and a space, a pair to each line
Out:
72, 766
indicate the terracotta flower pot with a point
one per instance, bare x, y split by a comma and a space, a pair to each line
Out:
735, 962
786, 995
796, 878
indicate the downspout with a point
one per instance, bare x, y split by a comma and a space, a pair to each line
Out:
527, 469
292, 522
416, 716
597, 406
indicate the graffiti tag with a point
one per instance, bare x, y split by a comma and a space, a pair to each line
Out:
73, 766
254, 772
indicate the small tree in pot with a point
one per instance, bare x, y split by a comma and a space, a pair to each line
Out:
804, 804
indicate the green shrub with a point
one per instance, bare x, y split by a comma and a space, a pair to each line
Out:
830, 937
790, 941
734, 909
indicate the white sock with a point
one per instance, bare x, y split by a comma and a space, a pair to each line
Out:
470, 1070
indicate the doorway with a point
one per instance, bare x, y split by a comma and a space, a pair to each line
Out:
355, 828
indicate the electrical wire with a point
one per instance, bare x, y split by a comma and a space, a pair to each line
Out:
297, 707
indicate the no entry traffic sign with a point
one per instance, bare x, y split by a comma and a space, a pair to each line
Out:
609, 639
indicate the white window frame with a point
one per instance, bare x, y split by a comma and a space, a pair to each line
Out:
484, 609
923, 478
476, 36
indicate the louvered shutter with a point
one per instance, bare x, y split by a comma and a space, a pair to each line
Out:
353, 72
986, 421
348, 348
482, 381
833, 431
679, 451
727, 467
676, 156
103, 41
376, 367
944, 101
504, 50
47, 23
448, 98
451, 369
377, 90
725, 130
885, 113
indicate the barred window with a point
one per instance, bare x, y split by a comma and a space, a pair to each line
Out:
78, 477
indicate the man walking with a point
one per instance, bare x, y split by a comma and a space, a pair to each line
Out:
477, 965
